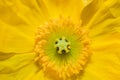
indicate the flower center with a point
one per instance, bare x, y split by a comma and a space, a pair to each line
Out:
62, 46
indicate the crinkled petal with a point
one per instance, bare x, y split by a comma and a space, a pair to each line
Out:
89, 10
13, 40
28, 11
86, 2
64, 8
99, 10
15, 62
116, 9
34, 12
105, 60
18, 22
106, 27
27, 72
40, 76
24, 15
18, 67
104, 65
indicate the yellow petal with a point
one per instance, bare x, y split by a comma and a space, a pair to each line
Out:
110, 42
86, 2
27, 72
29, 13
39, 76
107, 35
4, 56
13, 40
15, 62
105, 27
89, 10
25, 15
104, 65
99, 10
116, 9
64, 8
105, 60
6, 77
19, 67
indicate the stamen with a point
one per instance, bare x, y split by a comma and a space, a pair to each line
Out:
62, 48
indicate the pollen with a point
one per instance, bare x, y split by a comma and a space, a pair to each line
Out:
62, 48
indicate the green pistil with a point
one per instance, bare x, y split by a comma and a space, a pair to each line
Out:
62, 46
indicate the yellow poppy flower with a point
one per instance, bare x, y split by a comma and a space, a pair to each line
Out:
59, 40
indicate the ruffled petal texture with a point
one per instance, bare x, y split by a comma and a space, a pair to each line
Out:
13, 40
16, 27
26, 15
17, 66
103, 25
19, 20
66, 8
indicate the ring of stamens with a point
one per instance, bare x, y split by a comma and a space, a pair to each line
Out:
66, 56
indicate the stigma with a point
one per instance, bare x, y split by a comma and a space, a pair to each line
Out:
62, 46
